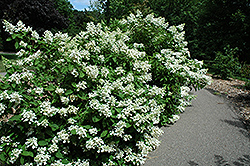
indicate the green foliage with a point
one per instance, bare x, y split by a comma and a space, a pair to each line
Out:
247, 84
245, 71
96, 98
226, 64
222, 23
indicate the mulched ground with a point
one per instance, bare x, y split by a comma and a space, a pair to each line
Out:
235, 91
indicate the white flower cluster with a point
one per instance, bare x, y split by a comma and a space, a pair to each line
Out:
31, 142
14, 155
16, 77
20, 27
42, 156
28, 116
75, 163
2, 108
5, 139
48, 110
92, 71
174, 118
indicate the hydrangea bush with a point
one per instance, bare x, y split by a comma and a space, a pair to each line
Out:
167, 52
98, 98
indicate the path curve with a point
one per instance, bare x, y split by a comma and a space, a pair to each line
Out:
208, 133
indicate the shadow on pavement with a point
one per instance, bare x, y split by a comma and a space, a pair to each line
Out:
220, 161
239, 124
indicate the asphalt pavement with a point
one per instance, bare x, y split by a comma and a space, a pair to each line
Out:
209, 133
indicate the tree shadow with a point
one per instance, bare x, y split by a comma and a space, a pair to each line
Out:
220, 161
239, 124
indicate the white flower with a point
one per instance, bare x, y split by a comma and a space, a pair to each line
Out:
184, 91
44, 123
28, 116
104, 72
127, 137
63, 136
2, 108
35, 35
4, 95
59, 91
174, 118
15, 97
48, 36
38, 90
31, 142
63, 112
71, 121
93, 131
64, 100
92, 71
74, 73
47, 109
53, 148
5, 139
15, 77
23, 44
94, 143
14, 155
119, 71
41, 159
81, 85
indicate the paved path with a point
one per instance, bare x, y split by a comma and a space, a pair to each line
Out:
209, 133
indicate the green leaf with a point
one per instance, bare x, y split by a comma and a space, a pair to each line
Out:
27, 153
104, 133
54, 127
42, 143
13, 85
65, 161
87, 127
71, 67
73, 132
50, 88
16, 45
96, 119
9, 39
27, 97
37, 62
128, 125
81, 75
59, 155
22, 160
15, 118
68, 92
2, 157
73, 84
50, 133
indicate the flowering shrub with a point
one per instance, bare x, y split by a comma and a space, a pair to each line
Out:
167, 52
92, 99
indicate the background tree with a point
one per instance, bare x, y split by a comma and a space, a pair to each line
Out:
40, 14
114, 9
222, 23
